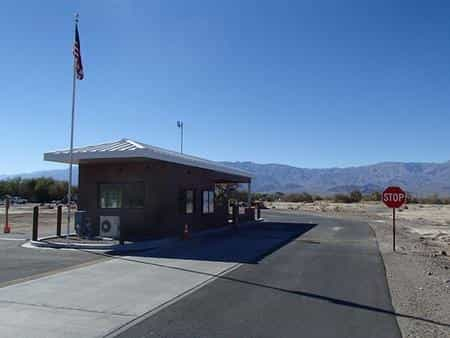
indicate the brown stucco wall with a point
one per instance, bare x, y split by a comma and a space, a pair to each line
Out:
163, 181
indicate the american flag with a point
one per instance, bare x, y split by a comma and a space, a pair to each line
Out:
77, 55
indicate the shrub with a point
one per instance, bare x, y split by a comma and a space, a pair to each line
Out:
342, 198
39, 190
375, 196
302, 197
355, 196
433, 199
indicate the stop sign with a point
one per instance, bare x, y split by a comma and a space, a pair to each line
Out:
393, 197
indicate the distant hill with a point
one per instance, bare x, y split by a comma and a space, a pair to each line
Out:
57, 174
419, 178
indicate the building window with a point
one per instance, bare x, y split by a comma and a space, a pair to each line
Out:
208, 202
121, 195
110, 196
189, 197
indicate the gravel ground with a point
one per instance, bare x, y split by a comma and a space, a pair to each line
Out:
418, 272
21, 220
419, 280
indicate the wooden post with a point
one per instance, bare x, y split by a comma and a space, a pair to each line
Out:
7, 213
58, 220
7, 228
34, 236
393, 229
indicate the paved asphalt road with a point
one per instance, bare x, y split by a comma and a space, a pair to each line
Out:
328, 282
18, 263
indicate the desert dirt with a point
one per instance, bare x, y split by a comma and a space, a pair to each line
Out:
21, 220
418, 273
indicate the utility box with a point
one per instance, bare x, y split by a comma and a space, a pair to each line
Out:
83, 226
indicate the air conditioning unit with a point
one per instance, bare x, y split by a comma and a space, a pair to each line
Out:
110, 226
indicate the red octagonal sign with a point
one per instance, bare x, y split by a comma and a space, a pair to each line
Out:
393, 197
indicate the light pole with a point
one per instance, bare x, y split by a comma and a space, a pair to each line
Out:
181, 125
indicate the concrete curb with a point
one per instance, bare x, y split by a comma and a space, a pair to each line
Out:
137, 246
123, 248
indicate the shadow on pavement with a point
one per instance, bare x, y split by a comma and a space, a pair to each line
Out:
249, 244
297, 293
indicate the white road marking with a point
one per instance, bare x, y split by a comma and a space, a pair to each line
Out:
12, 239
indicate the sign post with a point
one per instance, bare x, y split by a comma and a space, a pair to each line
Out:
393, 229
393, 197
7, 228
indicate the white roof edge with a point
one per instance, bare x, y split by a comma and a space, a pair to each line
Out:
127, 148
137, 144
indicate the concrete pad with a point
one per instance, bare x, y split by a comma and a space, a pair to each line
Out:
42, 322
91, 301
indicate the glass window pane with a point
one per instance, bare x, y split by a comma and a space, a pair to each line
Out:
110, 196
133, 195
211, 201
189, 202
128, 195
205, 203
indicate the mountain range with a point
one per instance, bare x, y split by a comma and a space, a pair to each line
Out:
421, 179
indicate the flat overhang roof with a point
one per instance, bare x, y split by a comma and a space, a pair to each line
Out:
127, 149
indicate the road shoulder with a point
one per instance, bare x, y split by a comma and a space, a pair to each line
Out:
419, 283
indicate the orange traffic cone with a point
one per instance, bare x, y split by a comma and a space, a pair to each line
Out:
7, 228
186, 232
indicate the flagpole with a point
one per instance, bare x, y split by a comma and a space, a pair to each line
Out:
69, 189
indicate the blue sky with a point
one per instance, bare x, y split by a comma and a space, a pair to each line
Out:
306, 83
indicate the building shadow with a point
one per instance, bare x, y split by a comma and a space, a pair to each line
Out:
224, 276
248, 244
